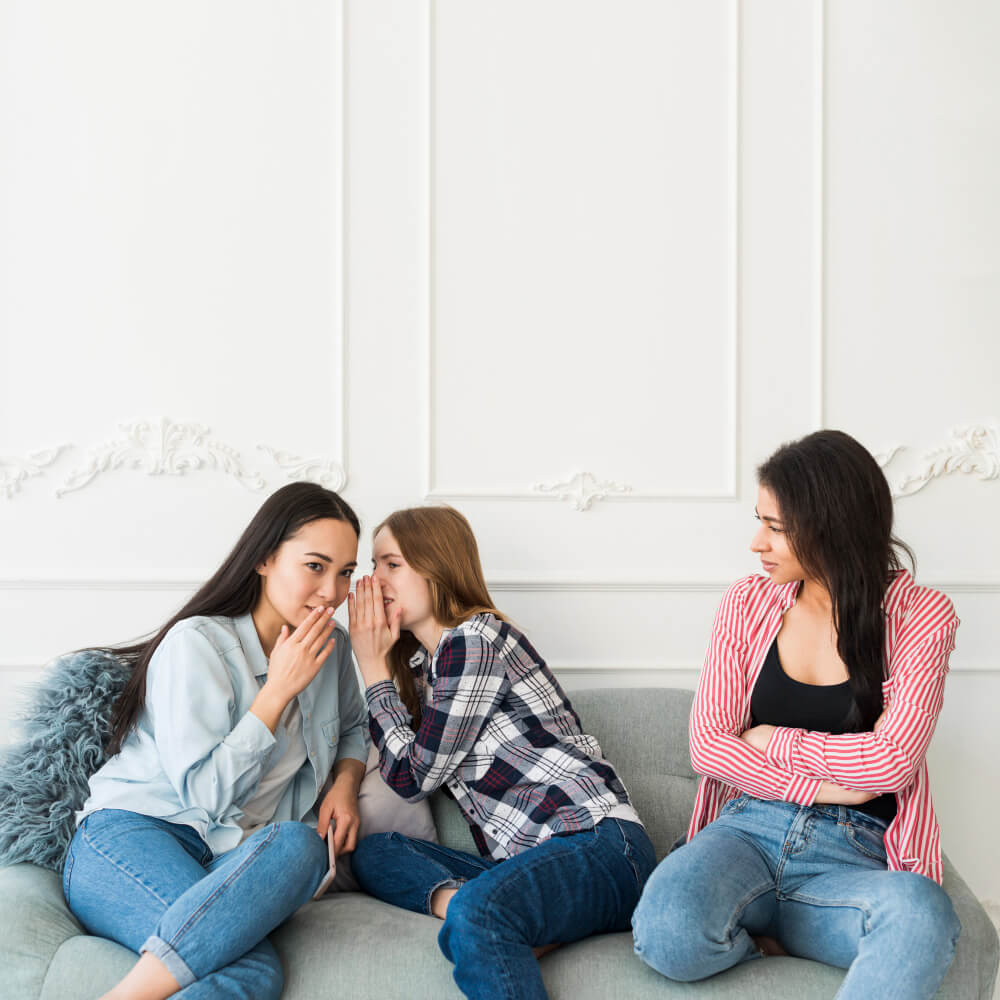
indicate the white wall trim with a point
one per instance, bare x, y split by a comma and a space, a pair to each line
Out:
189, 581
731, 491
819, 216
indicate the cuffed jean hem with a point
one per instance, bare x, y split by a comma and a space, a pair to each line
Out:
173, 962
448, 883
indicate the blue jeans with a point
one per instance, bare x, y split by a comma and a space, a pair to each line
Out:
560, 891
815, 878
154, 886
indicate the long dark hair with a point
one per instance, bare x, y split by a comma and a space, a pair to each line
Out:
234, 588
836, 508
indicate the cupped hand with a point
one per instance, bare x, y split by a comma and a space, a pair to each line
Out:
296, 659
372, 634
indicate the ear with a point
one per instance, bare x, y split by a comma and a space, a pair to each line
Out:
264, 568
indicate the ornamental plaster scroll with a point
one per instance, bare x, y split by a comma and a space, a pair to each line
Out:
326, 472
14, 471
163, 448
582, 490
973, 451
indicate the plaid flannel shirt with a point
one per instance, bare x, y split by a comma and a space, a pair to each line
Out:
499, 733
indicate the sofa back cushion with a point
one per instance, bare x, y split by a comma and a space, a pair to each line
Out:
644, 734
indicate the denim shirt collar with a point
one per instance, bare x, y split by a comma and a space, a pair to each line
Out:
250, 642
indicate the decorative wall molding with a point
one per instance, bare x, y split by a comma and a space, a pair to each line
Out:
162, 448
582, 490
14, 471
326, 472
973, 451
435, 491
165, 447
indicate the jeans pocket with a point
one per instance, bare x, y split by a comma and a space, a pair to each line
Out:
633, 848
735, 806
867, 840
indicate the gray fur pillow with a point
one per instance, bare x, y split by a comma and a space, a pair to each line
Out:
43, 779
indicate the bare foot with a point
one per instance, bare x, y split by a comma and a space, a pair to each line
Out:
768, 946
545, 949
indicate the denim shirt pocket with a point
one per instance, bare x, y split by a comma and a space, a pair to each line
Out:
331, 731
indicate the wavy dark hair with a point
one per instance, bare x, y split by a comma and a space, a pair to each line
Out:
234, 588
836, 508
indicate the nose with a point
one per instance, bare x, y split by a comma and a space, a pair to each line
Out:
379, 573
759, 543
327, 587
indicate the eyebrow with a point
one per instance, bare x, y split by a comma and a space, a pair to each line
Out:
327, 559
764, 517
387, 555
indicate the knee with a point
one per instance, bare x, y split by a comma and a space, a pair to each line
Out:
464, 925
922, 913
302, 845
666, 930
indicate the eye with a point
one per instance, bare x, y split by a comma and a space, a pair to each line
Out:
315, 567
392, 565
777, 531
347, 573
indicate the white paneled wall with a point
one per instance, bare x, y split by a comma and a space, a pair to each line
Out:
575, 267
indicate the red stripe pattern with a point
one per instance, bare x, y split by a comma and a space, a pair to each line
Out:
920, 635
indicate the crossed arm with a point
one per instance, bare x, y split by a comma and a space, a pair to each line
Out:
797, 765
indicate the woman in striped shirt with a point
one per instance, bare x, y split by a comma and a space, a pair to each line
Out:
813, 831
562, 853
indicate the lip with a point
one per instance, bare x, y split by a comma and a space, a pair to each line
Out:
768, 566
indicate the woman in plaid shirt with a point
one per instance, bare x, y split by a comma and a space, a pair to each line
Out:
457, 697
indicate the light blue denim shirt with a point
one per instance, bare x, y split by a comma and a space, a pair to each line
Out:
197, 752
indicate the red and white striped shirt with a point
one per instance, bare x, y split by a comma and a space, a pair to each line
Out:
920, 635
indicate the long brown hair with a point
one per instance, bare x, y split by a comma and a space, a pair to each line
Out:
837, 509
234, 588
439, 544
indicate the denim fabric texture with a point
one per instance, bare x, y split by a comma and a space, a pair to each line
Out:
568, 887
155, 886
814, 878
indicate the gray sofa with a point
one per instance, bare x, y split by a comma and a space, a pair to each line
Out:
350, 945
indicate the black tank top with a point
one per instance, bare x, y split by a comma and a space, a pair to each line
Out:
780, 700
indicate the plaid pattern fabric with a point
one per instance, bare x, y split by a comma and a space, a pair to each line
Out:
499, 733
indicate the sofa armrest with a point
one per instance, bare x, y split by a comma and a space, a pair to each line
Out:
974, 970
34, 922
